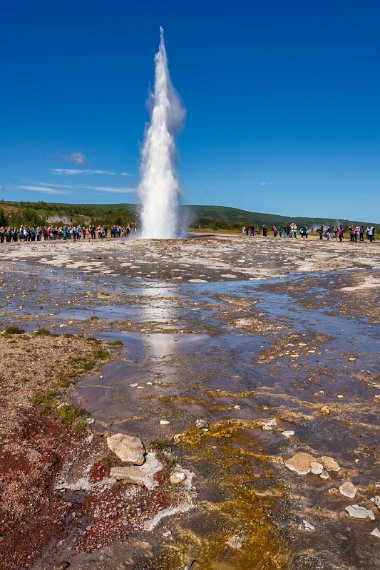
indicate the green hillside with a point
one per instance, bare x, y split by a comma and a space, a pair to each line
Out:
197, 216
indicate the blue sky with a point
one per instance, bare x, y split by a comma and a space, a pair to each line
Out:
282, 101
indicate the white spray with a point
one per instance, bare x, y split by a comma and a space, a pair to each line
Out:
159, 186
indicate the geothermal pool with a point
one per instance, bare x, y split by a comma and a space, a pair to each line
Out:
275, 344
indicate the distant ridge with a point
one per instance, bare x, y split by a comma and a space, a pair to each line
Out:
194, 216
223, 216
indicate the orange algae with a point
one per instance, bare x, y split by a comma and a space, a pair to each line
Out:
229, 458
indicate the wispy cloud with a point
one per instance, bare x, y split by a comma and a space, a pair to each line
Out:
74, 157
74, 171
50, 185
110, 189
44, 189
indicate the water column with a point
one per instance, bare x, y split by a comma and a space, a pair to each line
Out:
159, 186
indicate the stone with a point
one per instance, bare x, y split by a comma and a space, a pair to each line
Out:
357, 512
300, 463
329, 463
269, 425
316, 468
129, 449
287, 433
236, 407
376, 532
177, 477
202, 424
307, 526
164, 423
325, 410
352, 359
235, 542
139, 475
324, 475
376, 500
132, 474
134, 385
348, 490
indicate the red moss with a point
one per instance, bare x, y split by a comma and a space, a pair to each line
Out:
99, 471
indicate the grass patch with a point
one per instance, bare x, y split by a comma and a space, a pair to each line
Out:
13, 330
116, 343
160, 443
42, 331
45, 399
69, 414
101, 354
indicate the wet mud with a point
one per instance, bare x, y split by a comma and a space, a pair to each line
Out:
273, 344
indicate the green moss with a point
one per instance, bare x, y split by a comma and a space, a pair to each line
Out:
45, 399
101, 354
116, 343
69, 414
13, 330
160, 443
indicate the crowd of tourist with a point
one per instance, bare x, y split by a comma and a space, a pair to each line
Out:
356, 233
42, 233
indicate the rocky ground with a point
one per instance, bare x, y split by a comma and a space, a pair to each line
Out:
247, 369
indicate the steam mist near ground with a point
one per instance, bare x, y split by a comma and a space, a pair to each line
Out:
159, 188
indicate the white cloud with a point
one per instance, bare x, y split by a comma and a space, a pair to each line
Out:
111, 189
44, 189
74, 157
74, 171
49, 185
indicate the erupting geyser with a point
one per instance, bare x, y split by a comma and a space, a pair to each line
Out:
159, 186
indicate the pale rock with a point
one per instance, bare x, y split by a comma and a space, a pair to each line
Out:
139, 475
324, 475
164, 423
325, 410
236, 407
235, 542
202, 424
300, 463
376, 500
177, 477
134, 385
269, 425
348, 490
316, 468
376, 532
352, 359
357, 512
129, 449
329, 463
287, 433
307, 526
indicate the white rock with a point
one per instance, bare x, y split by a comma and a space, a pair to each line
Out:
300, 463
287, 433
329, 463
376, 500
202, 424
307, 526
269, 425
177, 477
376, 532
357, 512
134, 385
316, 468
235, 542
129, 449
237, 407
324, 475
164, 423
348, 490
